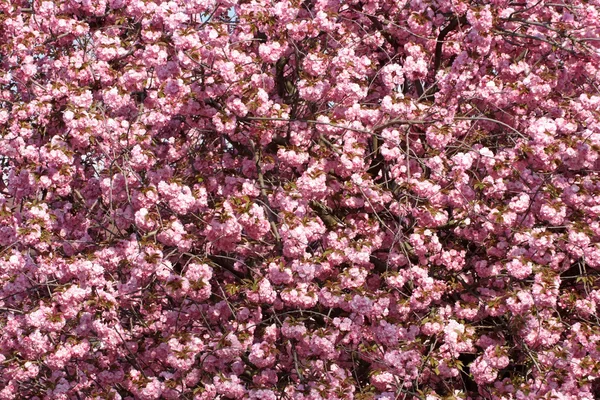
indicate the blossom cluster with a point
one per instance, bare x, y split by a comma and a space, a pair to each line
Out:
299, 200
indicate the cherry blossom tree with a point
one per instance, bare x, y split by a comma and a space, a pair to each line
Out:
250, 199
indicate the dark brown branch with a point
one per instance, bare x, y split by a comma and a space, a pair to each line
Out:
454, 23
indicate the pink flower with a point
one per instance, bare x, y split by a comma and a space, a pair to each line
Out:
519, 269
224, 230
229, 386
481, 19
262, 394
453, 332
295, 330
270, 52
521, 304
483, 373
361, 305
152, 390
262, 355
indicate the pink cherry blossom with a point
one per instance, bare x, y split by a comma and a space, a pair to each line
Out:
304, 200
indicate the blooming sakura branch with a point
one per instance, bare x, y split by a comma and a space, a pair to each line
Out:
304, 200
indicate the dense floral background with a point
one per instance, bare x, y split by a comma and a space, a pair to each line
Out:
221, 199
